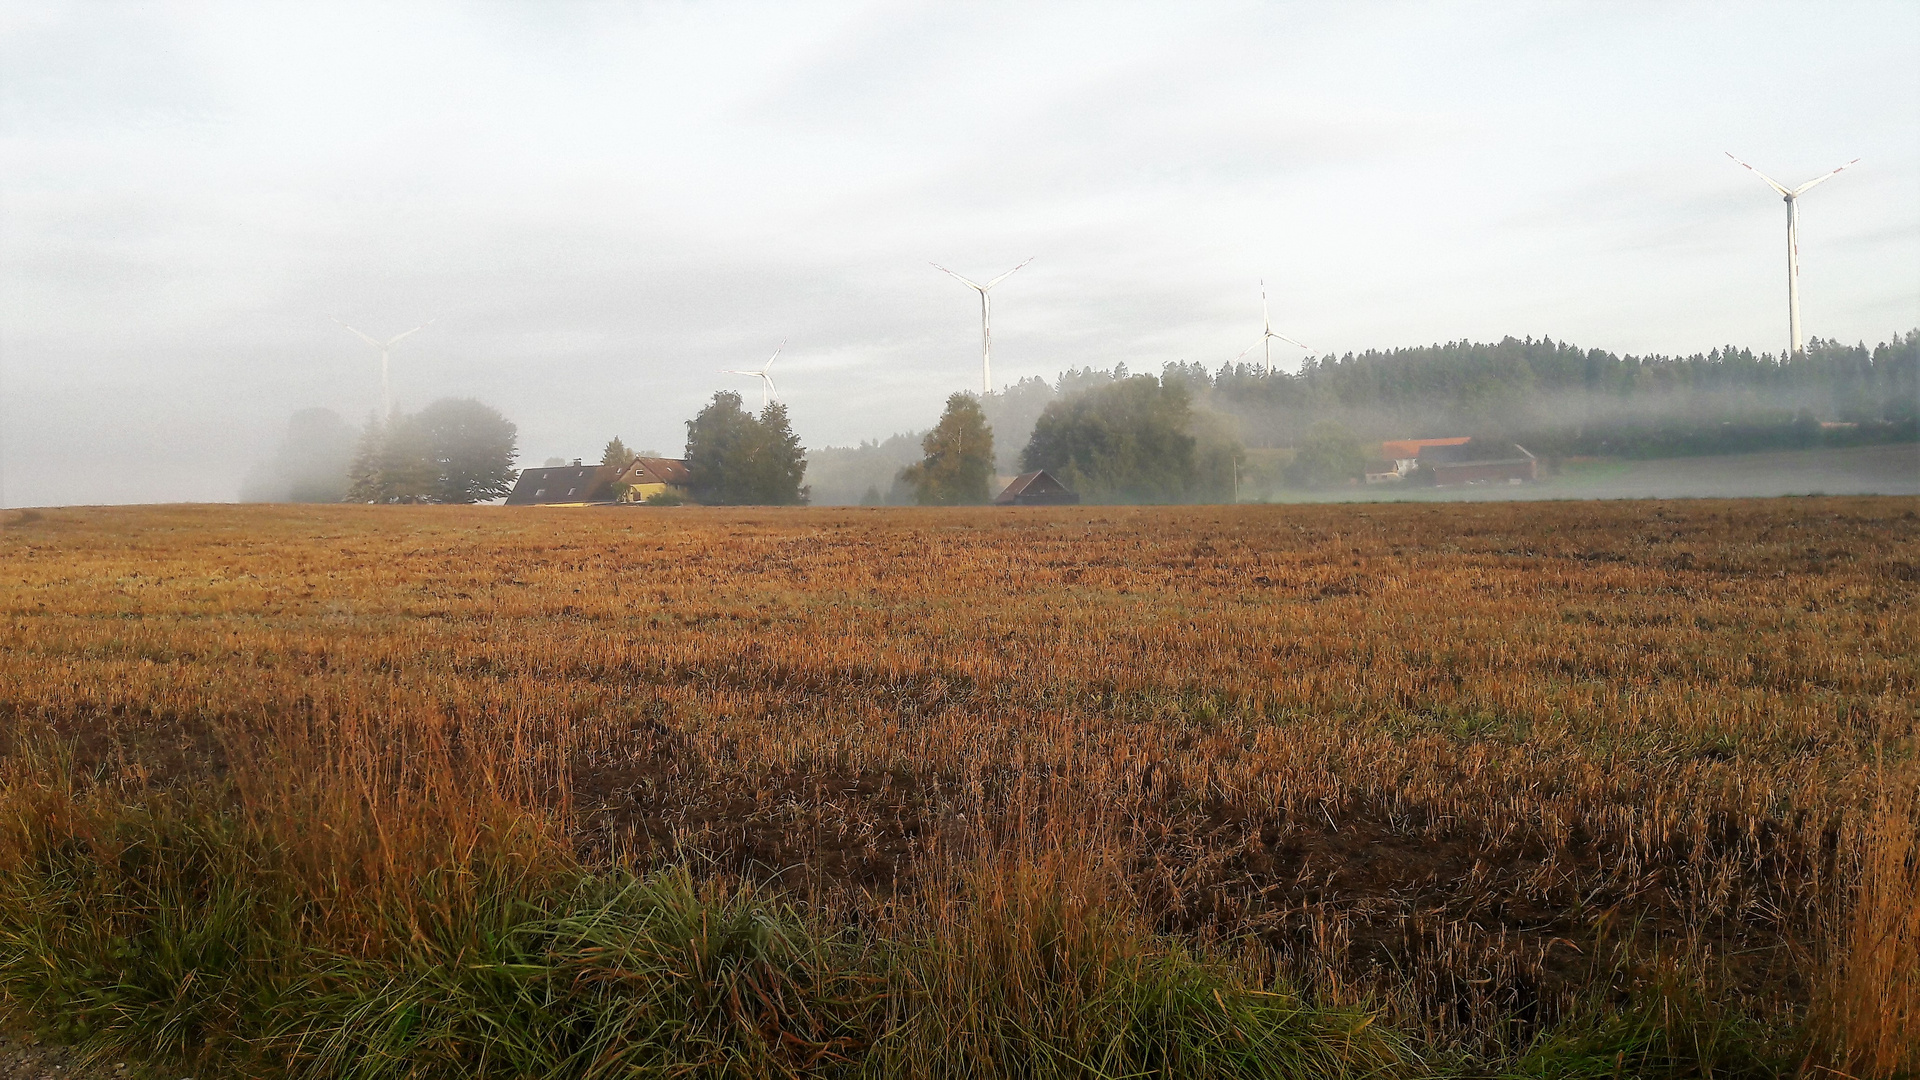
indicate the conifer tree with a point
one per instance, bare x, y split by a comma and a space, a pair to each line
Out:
616, 454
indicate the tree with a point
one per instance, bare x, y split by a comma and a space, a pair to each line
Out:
1011, 413
1329, 456
311, 464
363, 473
471, 447
958, 468
390, 463
456, 450
1122, 440
737, 458
616, 454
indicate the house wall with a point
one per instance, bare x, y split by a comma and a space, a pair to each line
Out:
643, 492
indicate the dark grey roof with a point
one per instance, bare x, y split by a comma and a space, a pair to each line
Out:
564, 484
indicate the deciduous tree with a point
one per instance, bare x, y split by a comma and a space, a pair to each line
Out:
1125, 440
737, 458
958, 468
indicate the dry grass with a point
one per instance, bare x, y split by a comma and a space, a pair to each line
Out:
1871, 1006
1486, 766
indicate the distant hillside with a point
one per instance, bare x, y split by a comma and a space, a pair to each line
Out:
1557, 399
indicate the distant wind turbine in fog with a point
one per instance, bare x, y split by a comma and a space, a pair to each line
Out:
1794, 343
386, 387
1267, 335
765, 375
986, 320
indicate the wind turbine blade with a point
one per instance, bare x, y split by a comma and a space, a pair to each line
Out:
775, 356
1770, 180
415, 330
1266, 318
944, 270
1009, 273
1824, 179
1286, 339
1247, 350
362, 337
772, 390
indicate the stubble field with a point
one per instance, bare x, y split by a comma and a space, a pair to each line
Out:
1474, 788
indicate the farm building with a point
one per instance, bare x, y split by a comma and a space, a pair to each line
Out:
586, 485
645, 477
1462, 464
564, 485
1405, 453
1037, 488
1378, 471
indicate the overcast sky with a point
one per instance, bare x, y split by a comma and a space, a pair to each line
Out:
603, 205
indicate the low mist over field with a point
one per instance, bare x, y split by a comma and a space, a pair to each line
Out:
603, 209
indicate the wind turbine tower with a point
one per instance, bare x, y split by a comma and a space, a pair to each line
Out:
386, 387
1795, 345
986, 320
767, 391
1267, 335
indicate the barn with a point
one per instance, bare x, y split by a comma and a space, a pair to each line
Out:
1499, 463
1037, 488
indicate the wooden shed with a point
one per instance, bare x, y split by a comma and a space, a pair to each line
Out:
1037, 488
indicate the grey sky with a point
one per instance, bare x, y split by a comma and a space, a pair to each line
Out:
606, 204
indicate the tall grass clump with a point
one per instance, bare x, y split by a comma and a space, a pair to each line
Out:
620, 976
1036, 963
160, 928
1870, 1007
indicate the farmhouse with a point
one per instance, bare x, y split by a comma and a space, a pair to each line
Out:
586, 485
646, 477
1037, 488
564, 485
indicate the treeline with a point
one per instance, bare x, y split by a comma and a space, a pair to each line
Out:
1559, 399
1132, 439
456, 450
1554, 398
1183, 435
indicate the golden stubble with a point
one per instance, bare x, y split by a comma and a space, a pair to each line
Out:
1476, 760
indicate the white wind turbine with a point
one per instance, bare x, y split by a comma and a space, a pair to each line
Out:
767, 391
986, 321
386, 389
1267, 335
1794, 343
